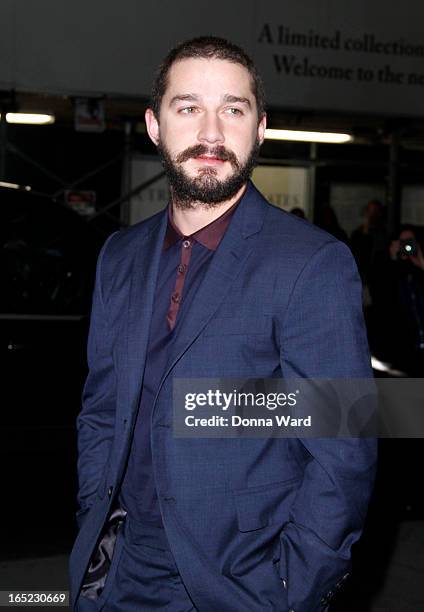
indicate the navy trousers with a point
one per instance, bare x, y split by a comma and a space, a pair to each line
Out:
142, 577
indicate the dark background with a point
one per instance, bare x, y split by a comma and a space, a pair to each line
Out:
47, 260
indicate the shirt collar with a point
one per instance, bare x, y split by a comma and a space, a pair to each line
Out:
209, 236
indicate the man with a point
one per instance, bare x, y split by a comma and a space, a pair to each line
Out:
221, 285
399, 303
369, 241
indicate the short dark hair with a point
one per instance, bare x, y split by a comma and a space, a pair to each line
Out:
206, 47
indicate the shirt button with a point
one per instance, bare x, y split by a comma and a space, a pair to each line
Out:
176, 298
181, 268
186, 244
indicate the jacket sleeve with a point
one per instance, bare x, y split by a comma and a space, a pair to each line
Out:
323, 336
95, 422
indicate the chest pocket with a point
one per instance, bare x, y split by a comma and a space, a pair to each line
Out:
238, 325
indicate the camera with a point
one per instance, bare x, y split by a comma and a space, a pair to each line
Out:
408, 247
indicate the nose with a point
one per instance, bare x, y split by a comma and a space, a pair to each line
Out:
211, 131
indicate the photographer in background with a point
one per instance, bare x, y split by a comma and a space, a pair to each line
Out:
398, 296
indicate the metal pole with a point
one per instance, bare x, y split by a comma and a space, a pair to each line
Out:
3, 145
394, 186
128, 195
312, 212
51, 175
125, 212
89, 174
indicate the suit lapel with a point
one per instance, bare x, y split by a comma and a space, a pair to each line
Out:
142, 293
225, 267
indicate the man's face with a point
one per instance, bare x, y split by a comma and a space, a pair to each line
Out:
208, 132
374, 213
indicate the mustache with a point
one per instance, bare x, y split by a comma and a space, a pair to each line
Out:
219, 152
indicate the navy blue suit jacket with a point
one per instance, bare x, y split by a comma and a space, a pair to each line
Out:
282, 298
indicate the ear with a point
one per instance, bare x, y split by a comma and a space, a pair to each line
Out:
262, 128
152, 125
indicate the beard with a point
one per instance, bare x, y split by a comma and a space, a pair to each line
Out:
206, 188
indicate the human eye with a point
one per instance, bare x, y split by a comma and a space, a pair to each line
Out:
233, 110
187, 110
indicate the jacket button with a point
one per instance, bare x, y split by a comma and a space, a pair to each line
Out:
110, 491
285, 583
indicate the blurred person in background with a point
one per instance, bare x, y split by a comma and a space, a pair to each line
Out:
369, 239
298, 212
327, 220
398, 296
